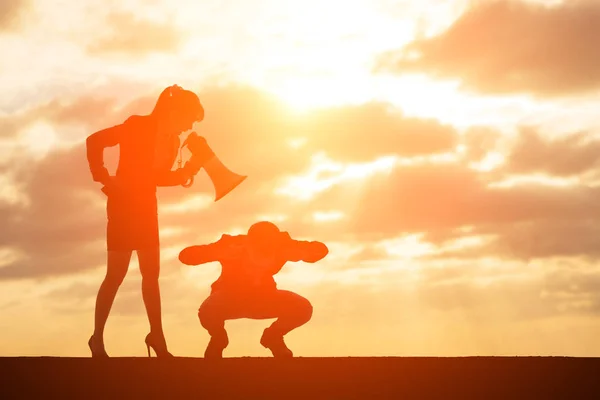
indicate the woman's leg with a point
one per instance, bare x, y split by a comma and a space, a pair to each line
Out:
117, 265
149, 260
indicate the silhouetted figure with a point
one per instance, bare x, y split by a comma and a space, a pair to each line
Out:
148, 147
246, 287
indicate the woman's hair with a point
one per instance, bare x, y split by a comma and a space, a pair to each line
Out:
181, 101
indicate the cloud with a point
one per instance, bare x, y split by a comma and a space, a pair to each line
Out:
249, 131
480, 141
503, 47
136, 37
569, 155
428, 198
85, 110
362, 133
525, 241
369, 252
11, 12
252, 134
347, 134
56, 229
450, 202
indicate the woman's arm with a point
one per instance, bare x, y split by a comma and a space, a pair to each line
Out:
201, 154
168, 149
95, 145
172, 178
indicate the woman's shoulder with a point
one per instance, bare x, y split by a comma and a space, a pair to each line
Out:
135, 126
138, 120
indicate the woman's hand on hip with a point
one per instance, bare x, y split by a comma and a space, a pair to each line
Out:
111, 184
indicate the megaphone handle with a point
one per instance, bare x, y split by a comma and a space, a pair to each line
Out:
189, 182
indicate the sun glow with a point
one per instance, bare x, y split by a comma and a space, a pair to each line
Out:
408, 247
305, 187
303, 94
490, 162
322, 216
8, 256
539, 179
192, 203
39, 138
10, 193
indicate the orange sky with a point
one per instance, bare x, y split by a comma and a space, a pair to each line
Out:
446, 151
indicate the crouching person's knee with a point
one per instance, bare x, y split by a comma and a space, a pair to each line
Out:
210, 319
203, 318
305, 310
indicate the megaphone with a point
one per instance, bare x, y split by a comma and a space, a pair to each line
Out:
223, 179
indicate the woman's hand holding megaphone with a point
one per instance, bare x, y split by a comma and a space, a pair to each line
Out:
195, 143
203, 157
201, 152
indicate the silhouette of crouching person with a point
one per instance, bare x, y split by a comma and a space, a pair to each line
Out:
246, 287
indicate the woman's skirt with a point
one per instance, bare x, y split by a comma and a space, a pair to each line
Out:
132, 221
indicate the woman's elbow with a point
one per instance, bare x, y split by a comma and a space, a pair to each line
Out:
90, 141
94, 143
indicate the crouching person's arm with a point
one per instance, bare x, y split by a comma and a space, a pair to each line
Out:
205, 253
199, 254
301, 250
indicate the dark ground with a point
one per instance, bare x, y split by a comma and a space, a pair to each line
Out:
301, 378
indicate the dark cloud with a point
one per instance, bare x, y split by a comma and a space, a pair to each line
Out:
87, 111
56, 228
136, 37
502, 47
439, 199
530, 240
570, 155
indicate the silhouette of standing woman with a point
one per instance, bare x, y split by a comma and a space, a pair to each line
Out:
148, 147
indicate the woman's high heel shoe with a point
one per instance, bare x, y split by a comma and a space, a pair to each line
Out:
159, 347
97, 351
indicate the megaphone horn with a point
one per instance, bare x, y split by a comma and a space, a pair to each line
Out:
223, 180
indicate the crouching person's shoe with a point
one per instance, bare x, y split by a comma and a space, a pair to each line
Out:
274, 342
215, 347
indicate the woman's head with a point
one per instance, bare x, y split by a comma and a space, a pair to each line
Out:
179, 108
